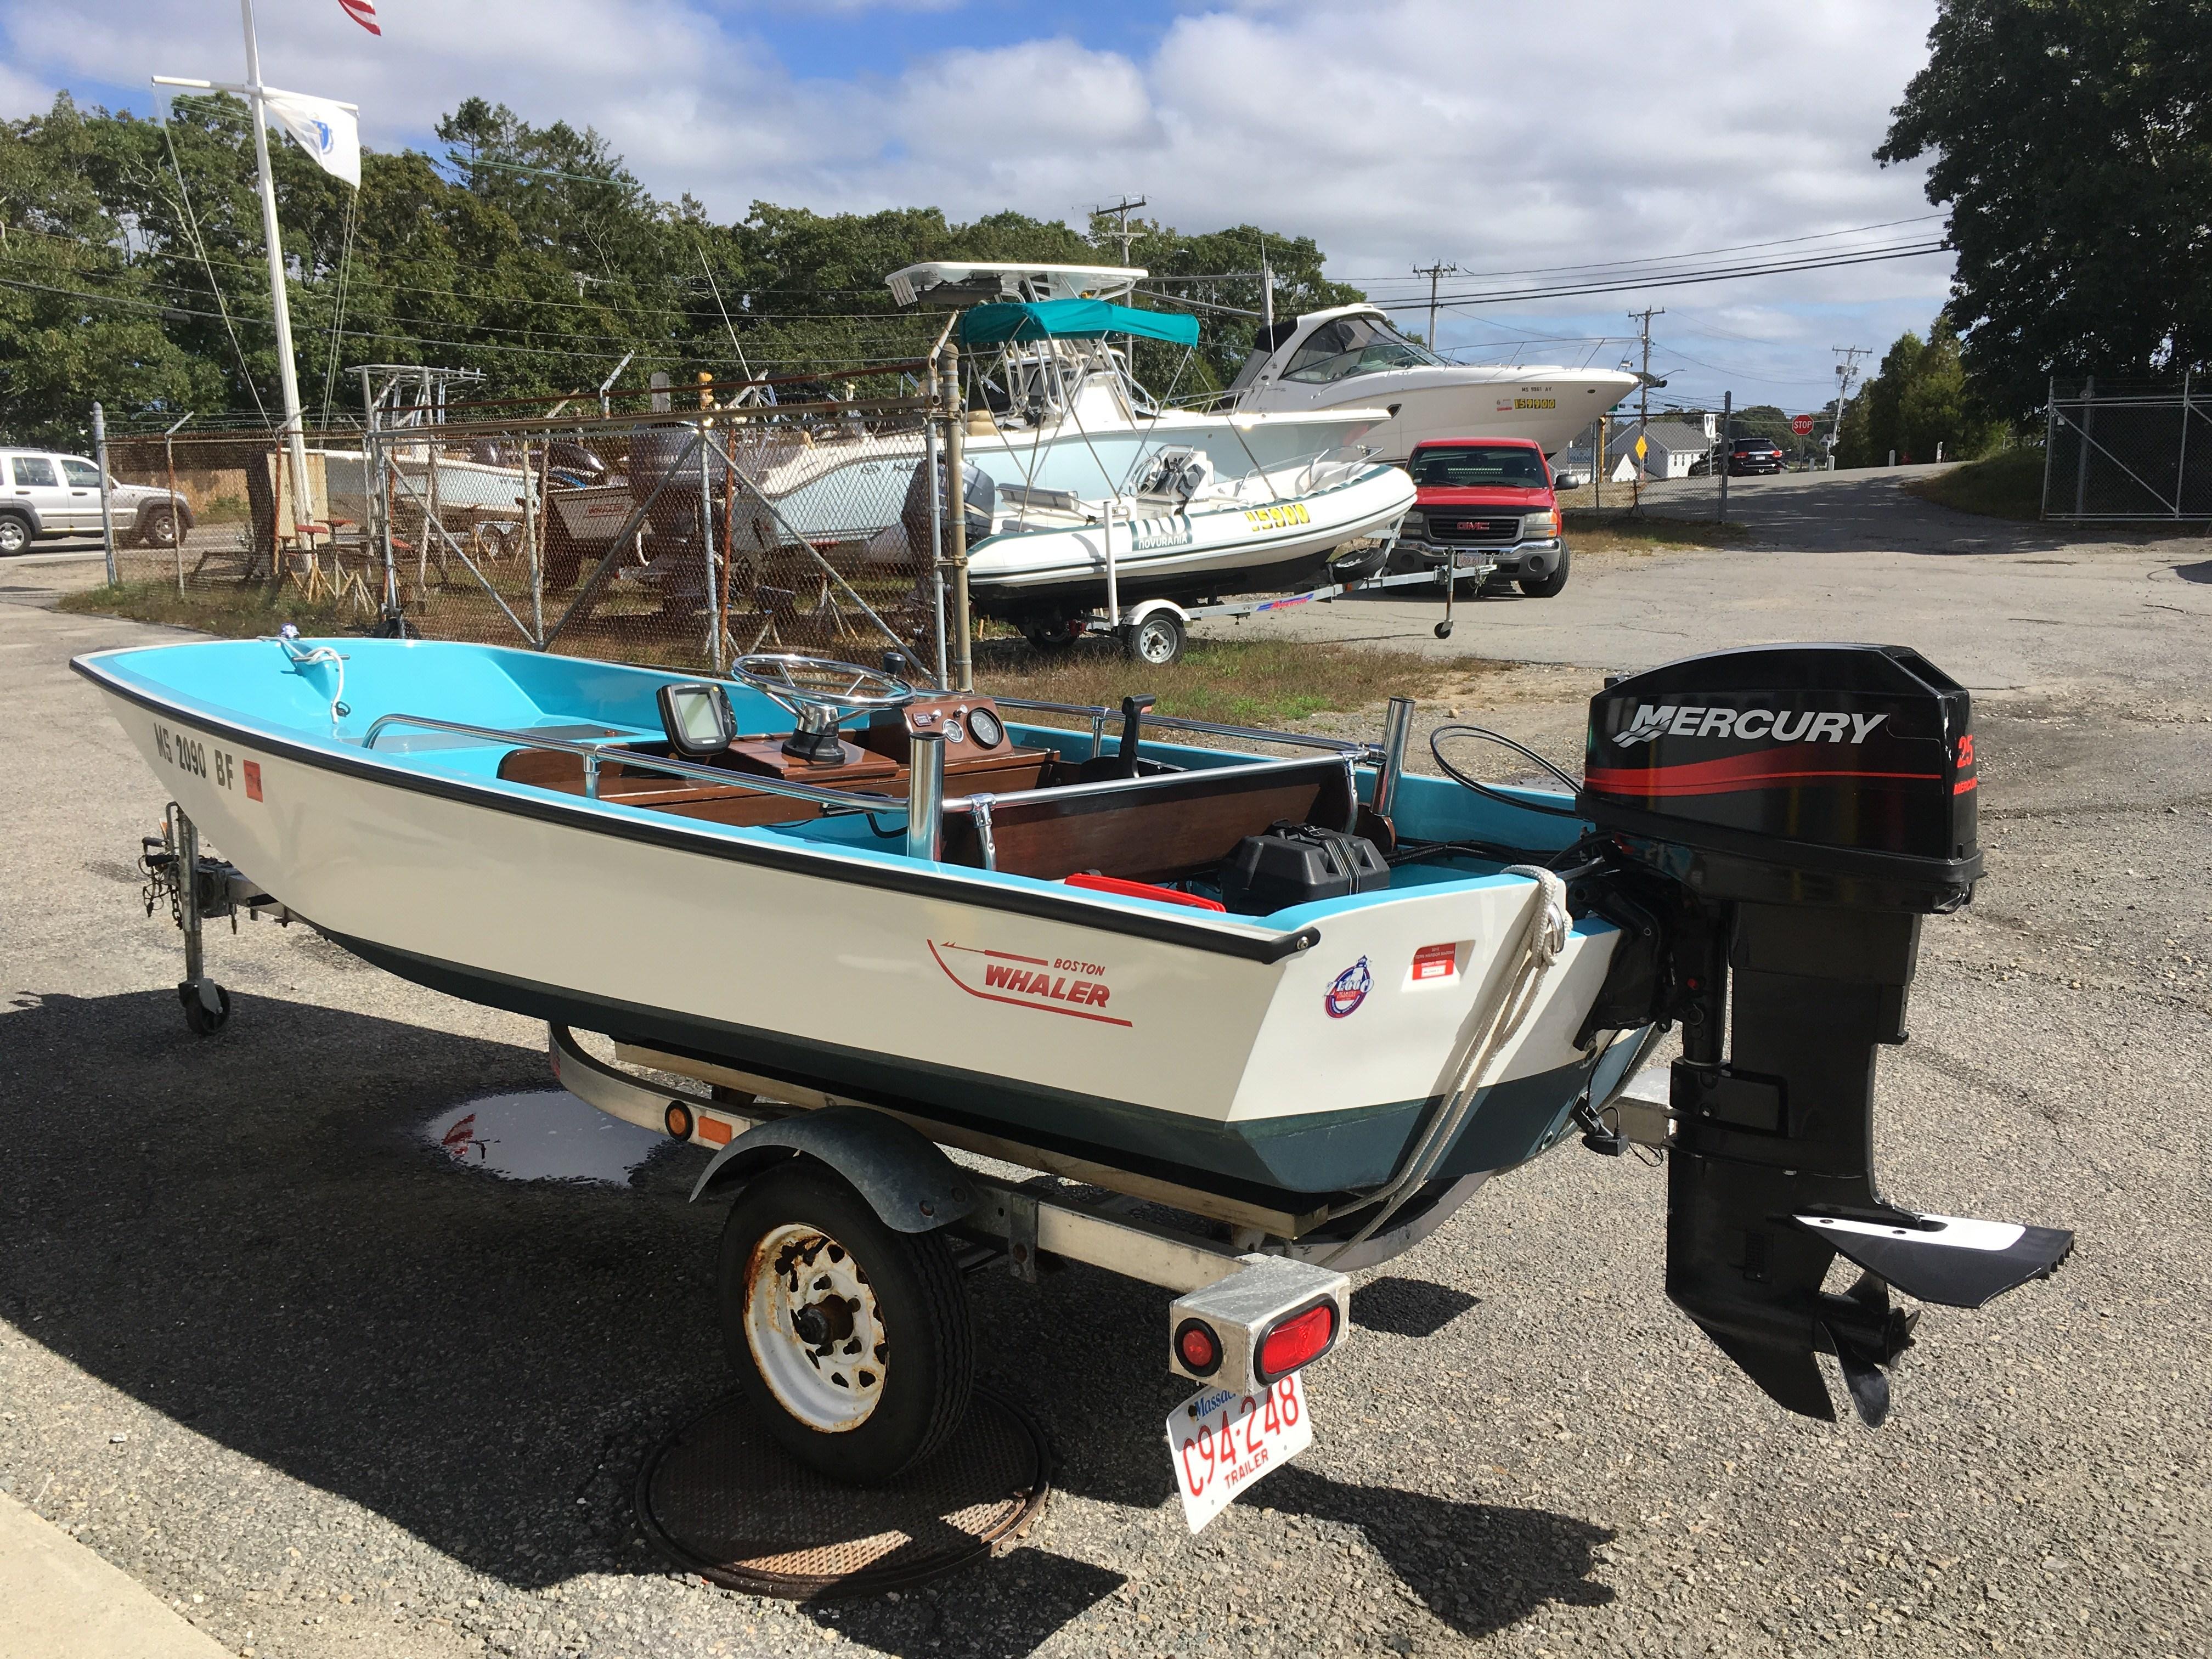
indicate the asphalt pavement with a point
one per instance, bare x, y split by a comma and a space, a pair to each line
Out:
324, 1391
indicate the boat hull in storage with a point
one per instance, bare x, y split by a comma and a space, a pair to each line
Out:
1291, 1055
1246, 544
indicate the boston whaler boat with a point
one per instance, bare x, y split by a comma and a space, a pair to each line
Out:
1288, 1013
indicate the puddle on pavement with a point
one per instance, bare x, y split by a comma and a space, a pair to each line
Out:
544, 1135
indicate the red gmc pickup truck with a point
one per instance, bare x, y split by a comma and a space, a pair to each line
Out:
1494, 493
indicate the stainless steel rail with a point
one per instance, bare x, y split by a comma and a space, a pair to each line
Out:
831, 800
837, 799
1365, 753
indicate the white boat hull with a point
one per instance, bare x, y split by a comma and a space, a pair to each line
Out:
1206, 1046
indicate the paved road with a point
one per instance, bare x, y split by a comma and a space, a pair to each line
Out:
1841, 556
376, 1404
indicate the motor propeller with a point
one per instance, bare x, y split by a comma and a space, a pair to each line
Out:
1866, 1334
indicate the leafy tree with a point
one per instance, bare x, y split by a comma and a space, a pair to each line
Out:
1917, 403
2071, 142
132, 270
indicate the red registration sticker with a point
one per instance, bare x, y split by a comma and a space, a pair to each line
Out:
1222, 1443
1435, 961
252, 769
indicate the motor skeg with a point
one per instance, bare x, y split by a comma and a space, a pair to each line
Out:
1809, 805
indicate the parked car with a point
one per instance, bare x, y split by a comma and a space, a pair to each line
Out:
45, 493
1491, 493
1756, 455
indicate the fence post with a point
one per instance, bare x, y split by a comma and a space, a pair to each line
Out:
177, 518
107, 511
2181, 459
957, 501
930, 464
706, 535
530, 544
2049, 438
1721, 460
2082, 462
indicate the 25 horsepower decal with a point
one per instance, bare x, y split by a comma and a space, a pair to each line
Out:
1060, 985
1747, 724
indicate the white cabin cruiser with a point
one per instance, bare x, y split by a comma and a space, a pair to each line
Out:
1350, 356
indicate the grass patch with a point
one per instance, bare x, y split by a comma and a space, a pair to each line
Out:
1234, 682
1615, 533
2007, 485
230, 611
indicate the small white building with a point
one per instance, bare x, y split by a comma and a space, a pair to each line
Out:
1670, 448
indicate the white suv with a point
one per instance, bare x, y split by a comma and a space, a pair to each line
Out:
43, 493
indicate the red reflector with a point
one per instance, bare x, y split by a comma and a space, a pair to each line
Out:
1298, 1338
1436, 962
1200, 1351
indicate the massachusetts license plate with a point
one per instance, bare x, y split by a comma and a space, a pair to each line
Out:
1221, 1443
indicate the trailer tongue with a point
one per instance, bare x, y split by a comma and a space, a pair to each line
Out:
1804, 807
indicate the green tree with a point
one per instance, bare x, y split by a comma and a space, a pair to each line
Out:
1917, 404
2071, 142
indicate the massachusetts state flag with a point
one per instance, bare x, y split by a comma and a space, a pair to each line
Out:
362, 12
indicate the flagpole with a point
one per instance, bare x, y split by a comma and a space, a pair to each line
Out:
302, 503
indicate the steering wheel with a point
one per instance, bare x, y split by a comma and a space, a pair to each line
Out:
820, 692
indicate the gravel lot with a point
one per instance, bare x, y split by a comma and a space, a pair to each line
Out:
327, 1393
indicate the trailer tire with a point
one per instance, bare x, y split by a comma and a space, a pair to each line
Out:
1156, 641
852, 1341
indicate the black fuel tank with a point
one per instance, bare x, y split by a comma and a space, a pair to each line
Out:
1837, 774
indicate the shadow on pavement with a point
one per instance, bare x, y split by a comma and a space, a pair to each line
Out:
251, 1235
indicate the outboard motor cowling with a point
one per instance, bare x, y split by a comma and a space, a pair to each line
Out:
1810, 804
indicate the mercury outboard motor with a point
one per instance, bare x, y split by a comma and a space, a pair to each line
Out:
1806, 806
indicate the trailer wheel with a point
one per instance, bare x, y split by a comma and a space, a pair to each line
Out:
202, 1020
1045, 630
1156, 641
851, 1340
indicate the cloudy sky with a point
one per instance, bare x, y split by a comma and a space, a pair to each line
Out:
1501, 136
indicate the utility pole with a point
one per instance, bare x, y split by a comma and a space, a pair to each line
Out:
1125, 207
1644, 409
1434, 273
1846, 372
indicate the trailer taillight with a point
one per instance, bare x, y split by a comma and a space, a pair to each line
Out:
1198, 1348
1297, 1340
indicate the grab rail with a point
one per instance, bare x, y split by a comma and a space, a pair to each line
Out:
842, 799
1366, 754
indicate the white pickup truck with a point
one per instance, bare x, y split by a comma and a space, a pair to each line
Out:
44, 493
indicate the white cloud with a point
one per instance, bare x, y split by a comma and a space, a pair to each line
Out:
1498, 136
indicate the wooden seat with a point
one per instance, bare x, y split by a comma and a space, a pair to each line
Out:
1158, 828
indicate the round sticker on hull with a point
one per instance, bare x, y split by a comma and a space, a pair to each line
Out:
1347, 990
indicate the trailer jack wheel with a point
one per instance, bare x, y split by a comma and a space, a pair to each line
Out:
851, 1341
207, 1005
1156, 641
1444, 630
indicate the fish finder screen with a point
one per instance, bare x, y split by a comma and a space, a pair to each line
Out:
697, 720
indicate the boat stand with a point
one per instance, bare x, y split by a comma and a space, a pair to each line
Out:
198, 889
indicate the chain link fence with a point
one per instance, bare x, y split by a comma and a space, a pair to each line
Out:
685, 540
2128, 450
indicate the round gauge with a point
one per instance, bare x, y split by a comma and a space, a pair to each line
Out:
953, 732
986, 728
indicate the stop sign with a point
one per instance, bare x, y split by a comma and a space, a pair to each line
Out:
1802, 425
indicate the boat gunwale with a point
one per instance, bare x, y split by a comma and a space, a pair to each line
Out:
812, 858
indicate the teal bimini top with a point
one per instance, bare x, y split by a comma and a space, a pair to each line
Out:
1071, 319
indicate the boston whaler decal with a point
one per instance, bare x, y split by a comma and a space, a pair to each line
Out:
1060, 985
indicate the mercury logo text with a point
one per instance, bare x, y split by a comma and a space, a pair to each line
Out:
1753, 725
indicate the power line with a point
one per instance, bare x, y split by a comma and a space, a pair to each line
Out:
1434, 273
1631, 284
1665, 258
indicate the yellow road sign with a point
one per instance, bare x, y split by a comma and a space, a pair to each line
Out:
1640, 447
